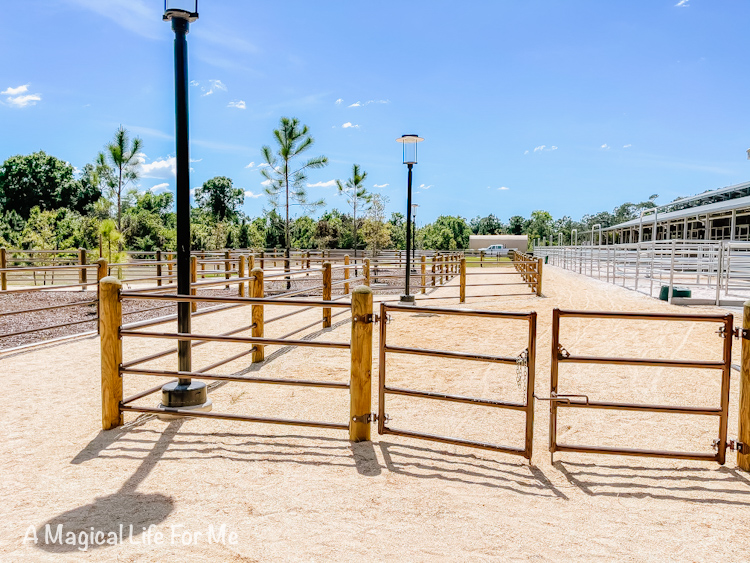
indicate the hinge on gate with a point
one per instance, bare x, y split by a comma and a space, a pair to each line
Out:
738, 333
369, 318
562, 352
366, 418
733, 445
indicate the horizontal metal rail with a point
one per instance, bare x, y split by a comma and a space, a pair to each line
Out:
454, 398
236, 339
453, 441
701, 364
636, 452
235, 417
237, 378
645, 316
77, 303
451, 355
706, 411
239, 300
461, 312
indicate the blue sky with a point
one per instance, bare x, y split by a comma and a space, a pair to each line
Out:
570, 106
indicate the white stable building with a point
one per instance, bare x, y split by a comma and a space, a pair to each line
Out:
722, 214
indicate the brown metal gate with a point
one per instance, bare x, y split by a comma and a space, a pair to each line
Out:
527, 358
561, 400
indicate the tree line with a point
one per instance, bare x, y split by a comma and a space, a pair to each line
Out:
46, 204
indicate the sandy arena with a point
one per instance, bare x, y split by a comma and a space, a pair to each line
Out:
306, 494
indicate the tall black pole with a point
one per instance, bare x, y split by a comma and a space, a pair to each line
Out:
184, 392
181, 28
408, 232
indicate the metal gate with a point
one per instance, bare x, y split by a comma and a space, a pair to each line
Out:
525, 359
561, 400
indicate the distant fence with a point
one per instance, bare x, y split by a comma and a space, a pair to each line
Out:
716, 272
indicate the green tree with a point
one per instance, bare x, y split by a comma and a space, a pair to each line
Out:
376, 231
516, 225
282, 174
489, 225
540, 225
447, 233
356, 195
397, 224
41, 180
219, 197
119, 165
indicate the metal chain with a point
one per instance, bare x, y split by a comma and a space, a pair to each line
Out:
522, 370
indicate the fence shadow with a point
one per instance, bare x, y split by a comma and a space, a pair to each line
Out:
709, 485
434, 463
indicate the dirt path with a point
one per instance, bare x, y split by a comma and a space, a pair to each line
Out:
295, 494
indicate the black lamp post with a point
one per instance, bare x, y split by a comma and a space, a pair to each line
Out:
414, 230
409, 144
183, 393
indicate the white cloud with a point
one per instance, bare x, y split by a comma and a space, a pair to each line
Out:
503, 189
17, 96
158, 187
552, 148
339, 101
211, 87
251, 165
627, 146
605, 146
682, 4
380, 185
196, 159
328, 184
15, 91
263, 165
368, 102
265, 183
163, 168
253, 195
525, 152
539, 148
543, 148
239, 105
423, 187
348, 125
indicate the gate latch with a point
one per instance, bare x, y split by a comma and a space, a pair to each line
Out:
554, 397
733, 445
738, 333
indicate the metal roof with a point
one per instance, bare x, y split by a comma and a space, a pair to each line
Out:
710, 209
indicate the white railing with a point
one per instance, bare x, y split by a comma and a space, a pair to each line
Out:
715, 271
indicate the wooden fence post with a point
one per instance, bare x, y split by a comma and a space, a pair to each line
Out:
326, 294
539, 278
101, 273
262, 260
433, 270
308, 261
3, 265
257, 314
423, 261
360, 384
227, 267
463, 280
366, 272
346, 274
110, 320
158, 267
169, 265
241, 274
743, 458
481, 258
193, 280
82, 277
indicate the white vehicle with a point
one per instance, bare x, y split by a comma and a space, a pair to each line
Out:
495, 250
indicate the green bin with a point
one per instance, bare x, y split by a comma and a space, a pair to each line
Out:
676, 292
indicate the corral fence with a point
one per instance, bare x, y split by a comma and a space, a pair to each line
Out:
716, 272
65, 280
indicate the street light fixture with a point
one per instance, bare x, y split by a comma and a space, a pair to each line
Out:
184, 393
409, 144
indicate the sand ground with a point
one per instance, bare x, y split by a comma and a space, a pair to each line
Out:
298, 494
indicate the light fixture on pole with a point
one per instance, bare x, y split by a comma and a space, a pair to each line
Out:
184, 393
414, 229
409, 144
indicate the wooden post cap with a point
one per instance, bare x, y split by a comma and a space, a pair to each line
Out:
361, 289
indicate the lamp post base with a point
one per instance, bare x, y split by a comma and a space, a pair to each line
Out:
177, 395
166, 415
407, 299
